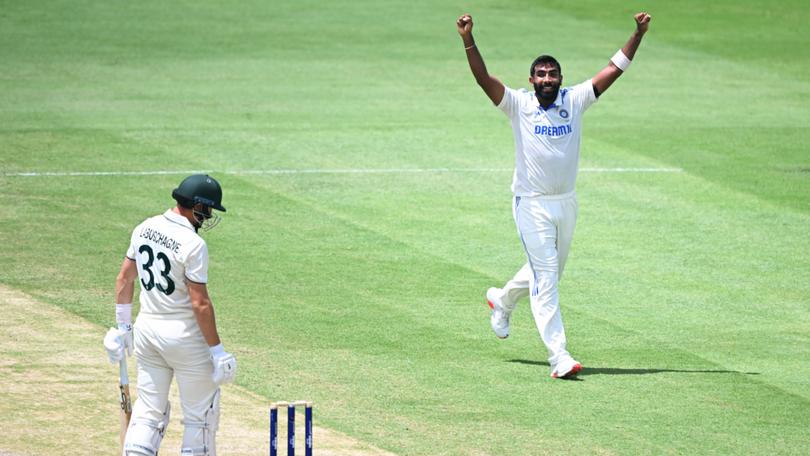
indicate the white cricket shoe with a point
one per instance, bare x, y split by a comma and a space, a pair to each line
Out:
499, 318
568, 368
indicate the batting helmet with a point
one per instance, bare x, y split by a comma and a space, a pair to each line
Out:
199, 189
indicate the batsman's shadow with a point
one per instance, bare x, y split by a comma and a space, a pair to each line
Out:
634, 371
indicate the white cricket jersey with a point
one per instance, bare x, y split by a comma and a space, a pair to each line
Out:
168, 252
546, 140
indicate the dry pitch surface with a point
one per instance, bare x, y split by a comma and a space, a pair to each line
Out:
58, 393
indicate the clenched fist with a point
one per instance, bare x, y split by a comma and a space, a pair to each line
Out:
465, 25
642, 22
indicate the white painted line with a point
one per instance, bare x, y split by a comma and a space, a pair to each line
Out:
316, 171
631, 170
100, 173
364, 171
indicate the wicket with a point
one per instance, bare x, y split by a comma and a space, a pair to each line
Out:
290, 427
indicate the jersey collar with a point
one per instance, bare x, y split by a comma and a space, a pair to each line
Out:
178, 219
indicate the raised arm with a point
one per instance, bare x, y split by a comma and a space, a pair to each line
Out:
491, 86
619, 63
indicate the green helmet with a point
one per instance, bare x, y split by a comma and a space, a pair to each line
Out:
199, 189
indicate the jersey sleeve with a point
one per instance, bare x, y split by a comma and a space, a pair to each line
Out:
583, 96
510, 103
197, 263
131, 253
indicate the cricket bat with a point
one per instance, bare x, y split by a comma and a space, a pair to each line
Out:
126, 401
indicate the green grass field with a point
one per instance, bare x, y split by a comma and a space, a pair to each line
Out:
686, 295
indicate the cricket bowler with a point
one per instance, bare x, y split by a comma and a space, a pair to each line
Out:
547, 127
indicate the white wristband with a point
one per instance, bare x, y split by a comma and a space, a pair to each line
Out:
621, 60
123, 313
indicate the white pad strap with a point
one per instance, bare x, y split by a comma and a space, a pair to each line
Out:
621, 60
199, 438
144, 435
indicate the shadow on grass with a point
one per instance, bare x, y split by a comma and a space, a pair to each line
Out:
620, 371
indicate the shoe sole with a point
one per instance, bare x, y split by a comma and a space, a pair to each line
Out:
492, 307
570, 374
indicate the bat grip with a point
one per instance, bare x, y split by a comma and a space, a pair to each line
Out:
122, 371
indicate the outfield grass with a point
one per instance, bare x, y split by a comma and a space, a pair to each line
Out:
686, 295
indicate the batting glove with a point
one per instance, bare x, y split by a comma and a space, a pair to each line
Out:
224, 365
126, 337
114, 345
123, 316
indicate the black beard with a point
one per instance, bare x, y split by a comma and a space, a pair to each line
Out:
538, 91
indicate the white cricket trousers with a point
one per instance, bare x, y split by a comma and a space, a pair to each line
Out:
173, 348
546, 228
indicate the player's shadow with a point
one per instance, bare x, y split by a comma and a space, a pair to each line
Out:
620, 371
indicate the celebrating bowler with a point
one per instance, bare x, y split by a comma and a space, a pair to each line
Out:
547, 125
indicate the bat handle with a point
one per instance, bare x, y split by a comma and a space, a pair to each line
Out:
122, 371
126, 404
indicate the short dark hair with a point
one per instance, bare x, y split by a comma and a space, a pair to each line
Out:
544, 59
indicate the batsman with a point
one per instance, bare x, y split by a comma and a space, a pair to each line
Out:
175, 335
547, 126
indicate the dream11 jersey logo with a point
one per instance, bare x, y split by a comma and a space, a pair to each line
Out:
546, 130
